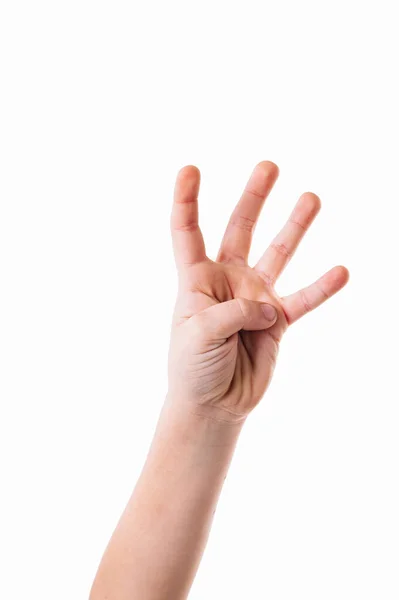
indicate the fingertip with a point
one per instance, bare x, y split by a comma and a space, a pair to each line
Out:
343, 273
306, 209
337, 277
311, 201
187, 184
269, 167
189, 172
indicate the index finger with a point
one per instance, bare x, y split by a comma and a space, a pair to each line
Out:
188, 243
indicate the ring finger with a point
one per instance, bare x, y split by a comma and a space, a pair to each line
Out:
282, 248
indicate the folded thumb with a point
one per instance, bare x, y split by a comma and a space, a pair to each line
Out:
224, 319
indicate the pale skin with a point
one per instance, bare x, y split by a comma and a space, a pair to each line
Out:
226, 330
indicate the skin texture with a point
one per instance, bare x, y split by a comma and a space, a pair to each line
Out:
227, 326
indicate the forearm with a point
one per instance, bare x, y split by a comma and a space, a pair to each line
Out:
156, 548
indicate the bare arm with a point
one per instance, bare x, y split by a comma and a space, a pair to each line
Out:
158, 543
227, 327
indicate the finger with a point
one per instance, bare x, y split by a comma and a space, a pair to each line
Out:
188, 243
220, 321
309, 298
281, 250
238, 235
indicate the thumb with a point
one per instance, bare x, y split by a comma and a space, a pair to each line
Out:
224, 319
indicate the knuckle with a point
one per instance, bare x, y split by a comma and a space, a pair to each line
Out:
305, 302
188, 226
270, 280
255, 193
244, 306
229, 256
300, 225
322, 291
243, 223
282, 249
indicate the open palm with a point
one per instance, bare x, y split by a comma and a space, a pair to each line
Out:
224, 345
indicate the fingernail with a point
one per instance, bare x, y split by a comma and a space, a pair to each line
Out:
269, 311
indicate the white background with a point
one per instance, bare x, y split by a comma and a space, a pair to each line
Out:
101, 103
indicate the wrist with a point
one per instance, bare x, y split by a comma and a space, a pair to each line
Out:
197, 425
209, 409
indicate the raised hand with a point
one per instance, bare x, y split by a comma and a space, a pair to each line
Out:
228, 319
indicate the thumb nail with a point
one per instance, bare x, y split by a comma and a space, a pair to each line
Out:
269, 311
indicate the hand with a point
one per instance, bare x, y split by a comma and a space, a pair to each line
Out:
229, 320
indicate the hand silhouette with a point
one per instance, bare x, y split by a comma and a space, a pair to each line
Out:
228, 319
